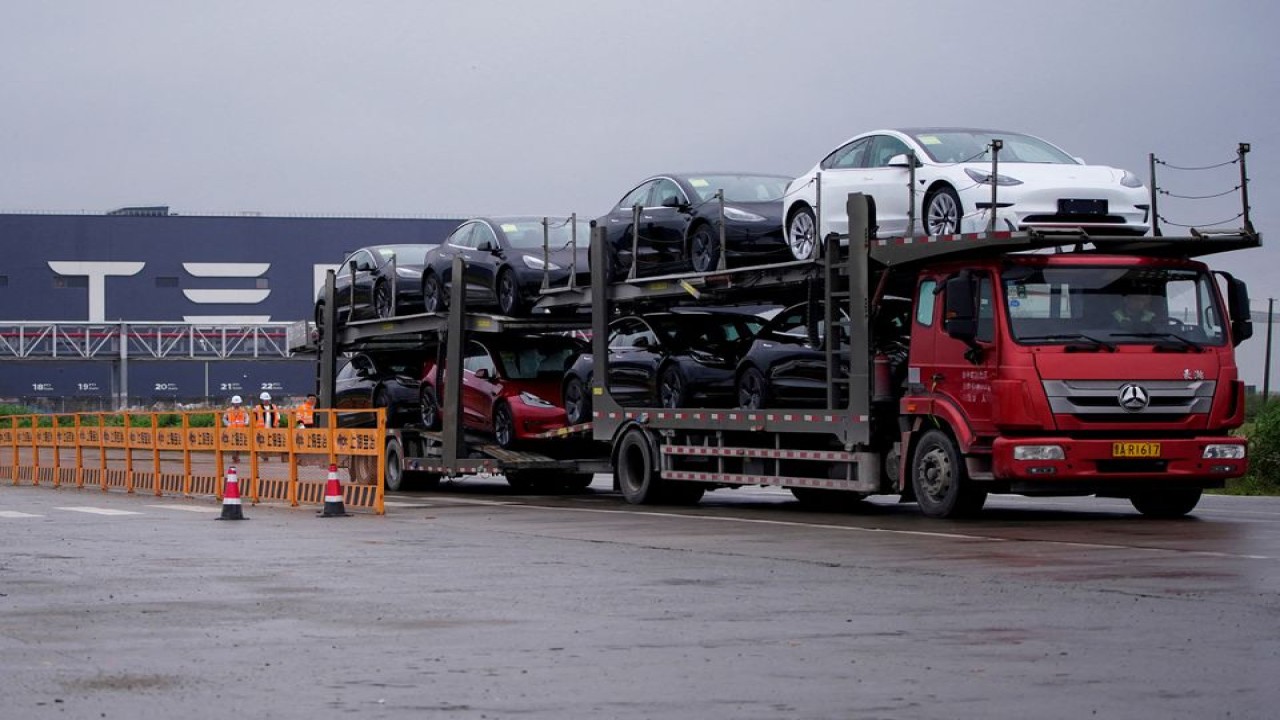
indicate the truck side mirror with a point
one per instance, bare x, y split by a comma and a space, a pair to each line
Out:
960, 317
1238, 309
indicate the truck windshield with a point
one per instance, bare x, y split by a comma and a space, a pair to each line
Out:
1176, 307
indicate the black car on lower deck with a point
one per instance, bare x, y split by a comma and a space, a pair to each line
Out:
666, 359
507, 260
388, 379
679, 223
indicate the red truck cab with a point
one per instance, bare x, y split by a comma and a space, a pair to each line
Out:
1072, 373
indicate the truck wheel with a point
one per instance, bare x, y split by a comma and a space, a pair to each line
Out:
941, 484
634, 469
522, 481
1166, 503
398, 479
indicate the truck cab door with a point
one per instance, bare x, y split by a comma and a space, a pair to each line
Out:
963, 372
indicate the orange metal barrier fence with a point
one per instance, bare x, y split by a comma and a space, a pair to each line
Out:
188, 454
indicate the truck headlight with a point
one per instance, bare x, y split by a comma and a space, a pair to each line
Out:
1039, 452
1223, 452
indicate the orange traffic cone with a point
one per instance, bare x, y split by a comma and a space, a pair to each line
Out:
231, 497
333, 502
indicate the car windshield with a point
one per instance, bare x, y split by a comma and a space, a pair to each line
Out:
1105, 306
405, 254
527, 233
697, 331
740, 188
545, 357
956, 146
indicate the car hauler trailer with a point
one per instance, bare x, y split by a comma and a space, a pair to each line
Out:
968, 365
998, 385
418, 457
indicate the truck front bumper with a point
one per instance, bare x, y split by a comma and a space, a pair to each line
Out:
1208, 459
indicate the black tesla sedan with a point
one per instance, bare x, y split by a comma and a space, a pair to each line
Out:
786, 364
377, 282
379, 380
666, 359
507, 261
679, 223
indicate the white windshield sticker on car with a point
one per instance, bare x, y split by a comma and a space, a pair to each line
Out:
508, 227
929, 140
698, 182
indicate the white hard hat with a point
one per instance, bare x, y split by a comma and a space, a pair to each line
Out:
265, 396
235, 400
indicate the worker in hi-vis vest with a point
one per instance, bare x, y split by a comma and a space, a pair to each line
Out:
305, 415
235, 417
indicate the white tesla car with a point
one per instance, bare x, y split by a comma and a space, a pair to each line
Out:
1038, 186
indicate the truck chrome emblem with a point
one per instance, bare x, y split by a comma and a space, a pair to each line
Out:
1134, 397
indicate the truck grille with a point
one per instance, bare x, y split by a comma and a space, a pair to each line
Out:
1100, 400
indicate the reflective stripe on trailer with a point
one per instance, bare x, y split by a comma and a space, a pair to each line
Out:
703, 451
738, 479
962, 237
722, 416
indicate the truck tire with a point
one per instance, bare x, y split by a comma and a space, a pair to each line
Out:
397, 479
1166, 502
941, 483
363, 469
634, 469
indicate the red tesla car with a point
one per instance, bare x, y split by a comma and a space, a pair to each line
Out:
510, 386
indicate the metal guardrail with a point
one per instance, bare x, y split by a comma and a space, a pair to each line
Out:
188, 454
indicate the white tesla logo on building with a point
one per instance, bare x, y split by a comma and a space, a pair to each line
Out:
234, 296
1134, 397
97, 272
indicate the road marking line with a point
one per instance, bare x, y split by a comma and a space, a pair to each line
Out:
16, 514
186, 508
99, 511
919, 533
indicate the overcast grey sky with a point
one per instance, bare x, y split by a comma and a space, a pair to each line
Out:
465, 108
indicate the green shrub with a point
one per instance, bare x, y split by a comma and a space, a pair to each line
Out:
1264, 451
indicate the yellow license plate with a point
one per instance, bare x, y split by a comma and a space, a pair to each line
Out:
1135, 449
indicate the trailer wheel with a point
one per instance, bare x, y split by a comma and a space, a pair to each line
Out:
938, 476
802, 234
704, 249
398, 479
577, 402
1166, 503
634, 469
578, 481
523, 481
429, 408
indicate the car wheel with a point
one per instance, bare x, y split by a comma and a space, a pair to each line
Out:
704, 249
802, 234
672, 389
504, 426
508, 292
433, 293
577, 402
1167, 502
382, 399
753, 390
942, 211
429, 408
384, 306
938, 477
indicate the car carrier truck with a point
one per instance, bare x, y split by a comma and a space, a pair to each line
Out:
955, 367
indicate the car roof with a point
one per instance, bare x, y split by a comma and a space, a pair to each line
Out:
685, 175
920, 130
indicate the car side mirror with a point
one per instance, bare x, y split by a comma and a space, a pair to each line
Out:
640, 342
1238, 309
960, 317
672, 201
483, 374
901, 160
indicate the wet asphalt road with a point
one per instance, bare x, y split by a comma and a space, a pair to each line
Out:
478, 603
